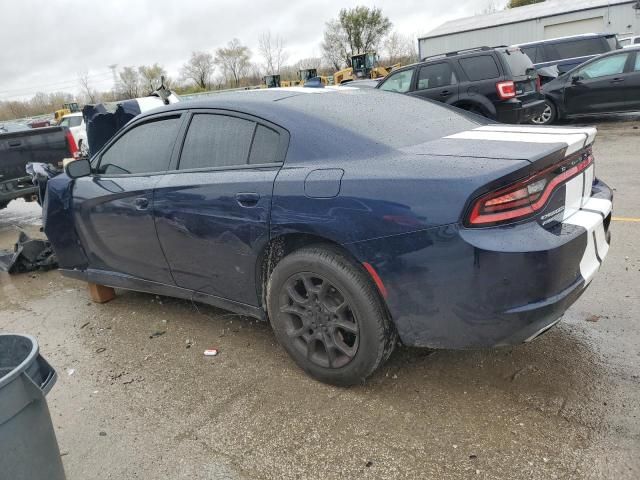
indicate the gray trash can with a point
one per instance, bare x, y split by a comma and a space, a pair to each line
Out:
28, 446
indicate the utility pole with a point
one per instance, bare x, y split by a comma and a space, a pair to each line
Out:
115, 79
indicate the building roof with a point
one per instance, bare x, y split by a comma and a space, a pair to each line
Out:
548, 8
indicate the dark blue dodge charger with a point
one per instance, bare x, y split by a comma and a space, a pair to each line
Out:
346, 217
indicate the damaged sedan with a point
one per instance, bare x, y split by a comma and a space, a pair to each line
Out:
347, 218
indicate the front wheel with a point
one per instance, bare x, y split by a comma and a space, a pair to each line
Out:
328, 315
548, 115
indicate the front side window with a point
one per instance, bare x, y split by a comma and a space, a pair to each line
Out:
436, 75
482, 67
398, 82
637, 65
146, 148
604, 67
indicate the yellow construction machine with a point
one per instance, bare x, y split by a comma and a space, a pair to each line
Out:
363, 65
66, 109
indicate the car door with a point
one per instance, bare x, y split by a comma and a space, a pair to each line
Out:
113, 208
599, 86
436, 81
633, 83
212, 212
399, 82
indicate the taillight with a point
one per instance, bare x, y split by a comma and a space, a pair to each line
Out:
525, 197
506, 90
71, 145
538, 83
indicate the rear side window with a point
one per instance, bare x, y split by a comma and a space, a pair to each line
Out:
398, 82
71, 122
577, 48
636, 41
216, 141
265, 146
637, 66
145, 148
482, 67
436, 75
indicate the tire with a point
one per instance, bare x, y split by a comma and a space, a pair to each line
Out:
548, 116
328, 315
3, 205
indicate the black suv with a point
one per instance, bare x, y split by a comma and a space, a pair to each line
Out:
498, 83
569, 52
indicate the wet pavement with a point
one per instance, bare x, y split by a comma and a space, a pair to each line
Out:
136, 398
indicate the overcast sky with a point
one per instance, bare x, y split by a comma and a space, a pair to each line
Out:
44, 44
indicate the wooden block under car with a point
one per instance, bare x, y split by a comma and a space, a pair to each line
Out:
100, 293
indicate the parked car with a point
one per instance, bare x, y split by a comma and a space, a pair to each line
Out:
609, 83
626, 42
498, 83
75, 123
347, 217
569, 52
20, 145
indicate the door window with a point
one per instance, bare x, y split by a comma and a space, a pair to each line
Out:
482, 67
577, 48
398, 82
612, 65
216, 141
145, 148
436, 75
636, 68
532, 53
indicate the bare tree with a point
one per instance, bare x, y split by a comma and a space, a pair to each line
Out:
85, 87
273, 51
234, 60
334, 45
199, 69
130, 82
151, 76
399, 48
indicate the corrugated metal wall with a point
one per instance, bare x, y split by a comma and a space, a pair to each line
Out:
616, 19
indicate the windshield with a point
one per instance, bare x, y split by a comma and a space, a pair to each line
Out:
71, 122
519, 63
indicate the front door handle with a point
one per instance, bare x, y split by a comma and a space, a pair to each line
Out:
445, 93
14, 143
617, 80
141, 203
247, 199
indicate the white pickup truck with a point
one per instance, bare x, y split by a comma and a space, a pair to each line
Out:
75, 123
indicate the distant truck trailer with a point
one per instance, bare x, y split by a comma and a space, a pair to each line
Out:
546, 20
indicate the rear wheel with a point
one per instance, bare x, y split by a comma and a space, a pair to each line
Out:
548, 115
329, 316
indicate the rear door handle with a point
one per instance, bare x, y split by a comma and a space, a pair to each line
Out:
247, 199
141, 203
15, 143
445, 93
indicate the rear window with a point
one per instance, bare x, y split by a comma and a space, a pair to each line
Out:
576, 48
482, 67
518, 62
71, 121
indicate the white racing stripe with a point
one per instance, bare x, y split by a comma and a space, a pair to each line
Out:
574, 142
588, 183
592, 223
589, 132
573, 196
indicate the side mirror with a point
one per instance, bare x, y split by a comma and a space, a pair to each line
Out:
576, 79
78, 168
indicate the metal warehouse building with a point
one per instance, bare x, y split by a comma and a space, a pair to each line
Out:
550, 19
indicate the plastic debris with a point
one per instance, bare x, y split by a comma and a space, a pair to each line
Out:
211, 353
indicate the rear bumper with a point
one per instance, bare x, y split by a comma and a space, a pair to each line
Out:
515, 111
452, 287
17, 188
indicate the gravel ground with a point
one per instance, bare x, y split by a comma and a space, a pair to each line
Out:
131, 404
